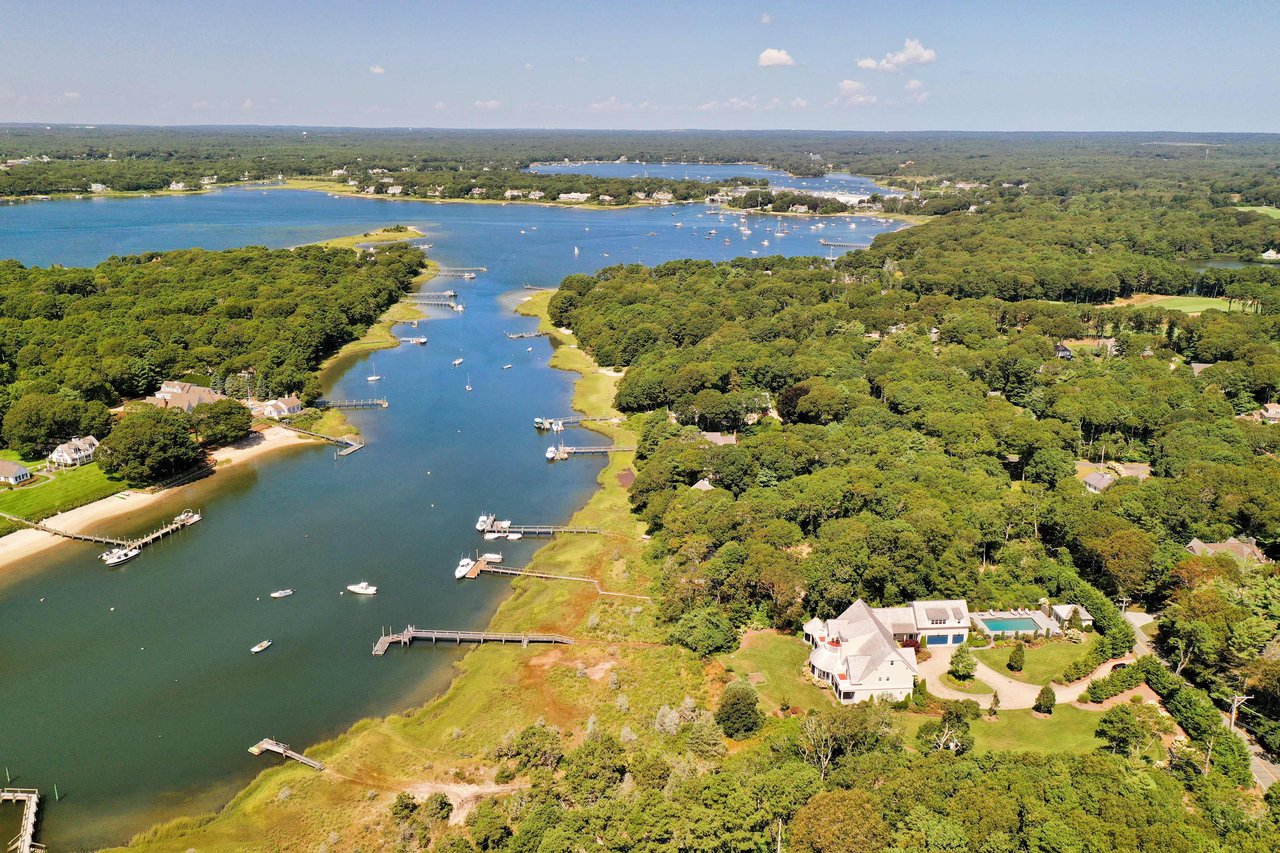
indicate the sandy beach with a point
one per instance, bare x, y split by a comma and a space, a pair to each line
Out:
24, 545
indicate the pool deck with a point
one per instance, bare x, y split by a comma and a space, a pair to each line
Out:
1043, 624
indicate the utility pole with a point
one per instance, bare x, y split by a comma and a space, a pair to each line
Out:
1236, 702
1124, 602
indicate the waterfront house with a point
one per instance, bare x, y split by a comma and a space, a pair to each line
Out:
573, 196
858, 654
1244, 550
537, 194
395, 189
177, 186
99, 188
1270, 413
208, 179
1062, 351
78, 451
281, 407
1271, 255
510, 194
477, 192
1098, 482
605, 199
703, 485
336, 173
182, 395
13, 473
663, 196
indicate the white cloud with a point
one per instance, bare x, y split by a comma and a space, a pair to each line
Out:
799, 103
775, 57
612, 104
488, 105
71, 95
737, 104
916, 92
248, 103
528, 66
913, 53
377, 69
766, 19
913, 86
581, 60
440, 105
853, 93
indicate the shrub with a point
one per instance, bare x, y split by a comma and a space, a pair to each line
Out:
1045, 700
739, 714
1017, 657
404, 808
436, 807
705, 632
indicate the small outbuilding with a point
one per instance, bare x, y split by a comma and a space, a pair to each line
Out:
13, 473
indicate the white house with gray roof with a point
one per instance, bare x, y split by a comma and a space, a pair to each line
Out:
859, 653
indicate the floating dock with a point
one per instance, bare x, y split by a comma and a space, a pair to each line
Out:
29, 798
409, 634
269, 745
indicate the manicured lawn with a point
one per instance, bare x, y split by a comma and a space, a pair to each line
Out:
777, 662
1069, 729
1194, 304
973, 685
69, 489
1273, 212
1042, 664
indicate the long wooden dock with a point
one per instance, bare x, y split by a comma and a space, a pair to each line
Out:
570, 420
65, 534
348, 446
380, 403
433, 294
563, 452
520, 336
506, 527
483, 566
441, 303
269, 745
409, 634
839, 244
29, 798
180, 522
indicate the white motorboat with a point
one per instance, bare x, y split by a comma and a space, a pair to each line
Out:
282, 593
457, 361
491, 536
116, 556
362, 588
468, 381
261, 647
551, 454
483, 522
491, 557
187, 516
514, 536
506, 367
464, 566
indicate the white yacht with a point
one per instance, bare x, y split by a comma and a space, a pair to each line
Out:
457, 361
261, 647
483, 522
116, 556
468, 381
464, 566
362, 588
492, 557
375, 376
551, 454
187, 516
282, 593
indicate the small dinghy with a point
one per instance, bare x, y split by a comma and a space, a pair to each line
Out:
261, 647
282, 593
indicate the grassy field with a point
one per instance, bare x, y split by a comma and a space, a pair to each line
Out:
1042, 664
1273, 212
618, 673
68, 490
1186, 304
1069, 729
775, 664
382, 235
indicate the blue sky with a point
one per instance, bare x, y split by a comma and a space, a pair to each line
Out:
866, 65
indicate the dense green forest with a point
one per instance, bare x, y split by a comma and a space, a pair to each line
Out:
896, 445
75, 341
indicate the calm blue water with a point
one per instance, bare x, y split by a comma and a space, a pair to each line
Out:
1009, 626
144, 711
712, 172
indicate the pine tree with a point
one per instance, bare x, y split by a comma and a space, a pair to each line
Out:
1017, 657
1045, 700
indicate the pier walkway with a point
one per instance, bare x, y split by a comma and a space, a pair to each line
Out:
571, 420
380, 403
563, 452
269, 745
520, 336
507, 528
409, 634
179, 523
482, 566
349, 445
25, 840
440, 303
840, 245
460, 272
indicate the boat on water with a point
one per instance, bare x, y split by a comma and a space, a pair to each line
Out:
362, 588
187, 516
375, 376
483, 522
116, 556
457, 361
464, 565
282, 593
514, 536
506, 367
551, 454
261, 647
576, 251
492, 536
492, 557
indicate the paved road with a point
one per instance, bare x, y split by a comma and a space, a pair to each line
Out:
1014, 694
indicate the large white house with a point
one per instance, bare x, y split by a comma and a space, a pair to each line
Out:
77, 451
859, 653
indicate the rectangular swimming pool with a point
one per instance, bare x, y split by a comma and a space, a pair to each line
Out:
1010, 625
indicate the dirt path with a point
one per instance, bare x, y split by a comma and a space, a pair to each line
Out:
463, 795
